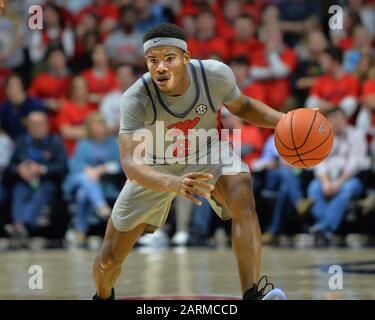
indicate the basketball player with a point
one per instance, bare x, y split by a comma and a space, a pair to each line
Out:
183, 93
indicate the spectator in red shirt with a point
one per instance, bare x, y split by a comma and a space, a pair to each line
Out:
232, 9
366, 116
335, 88
207, 44
272, 66
251, 136
4, 73
247, 86
53, 33
100, 78
52, 86
72, 114
244, 42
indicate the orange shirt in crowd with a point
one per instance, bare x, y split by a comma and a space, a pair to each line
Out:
334, 90
277, 90
100, 85
208, 48
71, 114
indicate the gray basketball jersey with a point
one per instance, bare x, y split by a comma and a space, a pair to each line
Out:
167, 119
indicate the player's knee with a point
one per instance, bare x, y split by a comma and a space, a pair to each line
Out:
108, 259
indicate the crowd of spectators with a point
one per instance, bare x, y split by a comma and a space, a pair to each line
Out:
60, 90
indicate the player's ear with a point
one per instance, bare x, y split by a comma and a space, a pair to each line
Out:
186, 57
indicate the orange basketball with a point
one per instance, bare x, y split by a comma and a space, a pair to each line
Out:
304, 138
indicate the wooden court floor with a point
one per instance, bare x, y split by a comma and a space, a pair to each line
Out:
178, 273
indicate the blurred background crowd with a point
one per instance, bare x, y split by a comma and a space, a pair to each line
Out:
60, 89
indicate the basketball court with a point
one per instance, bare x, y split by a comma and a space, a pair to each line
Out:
189, 273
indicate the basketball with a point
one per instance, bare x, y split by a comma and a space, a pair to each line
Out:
304, 138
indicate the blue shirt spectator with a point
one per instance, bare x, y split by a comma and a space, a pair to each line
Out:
36, 169
93, 159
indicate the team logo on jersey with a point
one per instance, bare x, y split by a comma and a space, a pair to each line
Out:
201, 109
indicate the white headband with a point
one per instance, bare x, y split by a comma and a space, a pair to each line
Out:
164, 41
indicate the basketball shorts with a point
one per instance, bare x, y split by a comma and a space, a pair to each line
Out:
137, 205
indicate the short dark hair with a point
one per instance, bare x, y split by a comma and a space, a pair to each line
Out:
53, 48
12, 76
168, 30
335, 53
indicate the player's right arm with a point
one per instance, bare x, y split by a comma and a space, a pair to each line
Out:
144, 175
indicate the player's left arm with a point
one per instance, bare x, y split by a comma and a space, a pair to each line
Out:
255, 112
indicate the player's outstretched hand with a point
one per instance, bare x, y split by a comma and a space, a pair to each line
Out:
193, 183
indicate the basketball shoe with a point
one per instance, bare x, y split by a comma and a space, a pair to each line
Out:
257, 293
